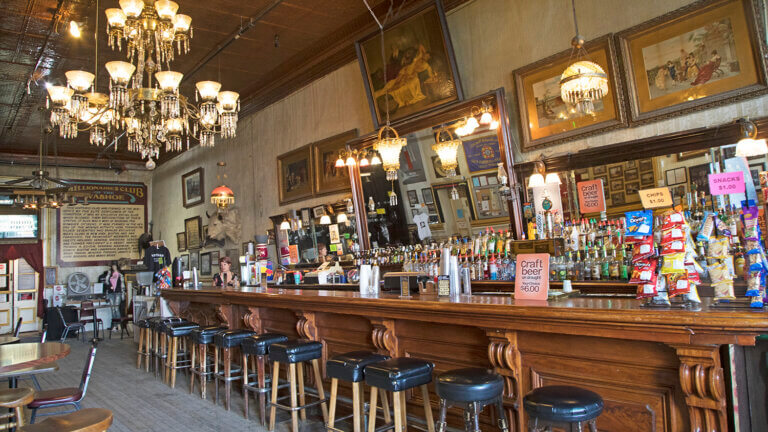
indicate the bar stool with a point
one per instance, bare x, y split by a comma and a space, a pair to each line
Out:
225, 341
85, 420
165, 345
15, 399
175, 332
257, 348
473, 389
200, 338
144, 346
349, 367
293, 353
157, 350
561, 406
398, 375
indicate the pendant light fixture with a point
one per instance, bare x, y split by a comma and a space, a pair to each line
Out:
583, 82
749, 145
222, 196
447, 150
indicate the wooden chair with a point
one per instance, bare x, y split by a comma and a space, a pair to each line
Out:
17, 331
88, 316
87, 420
14, 399
76, 325
64, 396
122, 320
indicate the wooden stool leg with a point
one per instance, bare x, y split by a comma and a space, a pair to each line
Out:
332, 410
245, 383
138, 355
320, 391
227, 373
427, 408
356, 406
215, 375
203, 368
262, 396
302, 398
292, 385
398, 411
193, 349
174, 359
273, 408
385, 405
443, 412
371, 407
403, 411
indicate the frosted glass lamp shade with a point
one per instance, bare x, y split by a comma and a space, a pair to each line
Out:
208, 90
552, 178
228, 100
120, 71
169, 80
325, 220
182, 23
749, 147
79, 80
115, 17
132, 8
166, 9
60, 95
536, 180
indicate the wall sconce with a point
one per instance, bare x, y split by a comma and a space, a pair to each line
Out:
749, 145
537, 179
285, 224
471, 122
325, 220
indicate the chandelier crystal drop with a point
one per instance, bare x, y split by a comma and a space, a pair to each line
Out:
144, 100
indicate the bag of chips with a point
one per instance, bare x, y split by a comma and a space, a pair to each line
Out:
643, 249
677, 283
724, 291
673, 263
718, 249
646, 290
673, 247
675, 219
720, 273
643, 271
707, 226
753, 283
662, 296
692, 295
639, 223
671, 234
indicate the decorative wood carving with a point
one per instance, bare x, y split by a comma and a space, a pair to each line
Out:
701, 377
306, 326
178, 307
384, 337
505, 358
224, 313
252, 320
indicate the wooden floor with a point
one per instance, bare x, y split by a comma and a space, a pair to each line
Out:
142, 403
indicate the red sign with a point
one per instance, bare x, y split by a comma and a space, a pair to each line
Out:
532, 277
591, 196
726, 183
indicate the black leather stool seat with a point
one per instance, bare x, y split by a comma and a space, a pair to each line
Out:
469, 385
165, 327
399, 374
295, 351
563, 404
204, 335
259, 344
181, 329
142, 323
349, 366
231, 338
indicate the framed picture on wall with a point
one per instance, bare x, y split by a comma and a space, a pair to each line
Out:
647, 179
631, 174
181, 241
546, 119
51, 276
418, 71
426, 193
193, 231
676, 176
413, 198
698, 178
616, 171
192, 185
617, 198
645, 165
194, 259
704, 54
205, 234
184, 262
325, 153
294, 175
754, 171
215, 258
205, 263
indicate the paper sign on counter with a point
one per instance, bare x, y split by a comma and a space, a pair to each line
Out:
656, 197
532, 277
726, 183
591, 196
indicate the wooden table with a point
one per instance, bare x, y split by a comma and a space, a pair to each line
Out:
656, 369
24, 355
8, 340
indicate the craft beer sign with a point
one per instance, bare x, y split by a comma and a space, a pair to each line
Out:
591, 196
532, 277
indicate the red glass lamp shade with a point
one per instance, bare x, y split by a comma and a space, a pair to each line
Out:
222, 196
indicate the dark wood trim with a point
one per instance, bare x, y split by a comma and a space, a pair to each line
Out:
71, 161
358, 200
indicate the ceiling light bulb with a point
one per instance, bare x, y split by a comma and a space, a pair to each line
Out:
208, 90
536, 180
132, 8
339, 162
325, 220
461, 131
552, 178
350, 161
166, 9
60, 95
74, 29
115, 17
150, 165
169, 80
486, 118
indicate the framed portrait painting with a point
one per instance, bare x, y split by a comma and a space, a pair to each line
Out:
294, 175
184, 262
418, 71
51, 276
193, 231
205, 263
194, 259
545, 118
192, 188
325, 153
704, 54
181, 241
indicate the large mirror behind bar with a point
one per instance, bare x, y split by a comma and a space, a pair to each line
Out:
432, 202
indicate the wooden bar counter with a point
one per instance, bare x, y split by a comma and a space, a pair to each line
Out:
657, 369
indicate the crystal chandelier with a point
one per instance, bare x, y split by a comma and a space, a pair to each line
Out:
144, 100
583, 82
447, 150
389, 148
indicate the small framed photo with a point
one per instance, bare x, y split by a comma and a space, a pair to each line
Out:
181, 241
193, 232
631, 174
192, 188
599, 170
631, 164
426, 193
647, 179
616, 171
215, 258
413, 198
617, 185
205, 264
645, 165
51, 276
184, 262
676, 176
245, 248
194, 259
632, 187
617, 198
318, 211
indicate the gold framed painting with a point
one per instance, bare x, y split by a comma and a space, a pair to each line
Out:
294, 175
705, 54
325, 153
417, 71
546, 119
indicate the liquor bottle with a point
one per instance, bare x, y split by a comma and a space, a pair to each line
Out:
587, 265
596, 266
605, 265
493, 268
615, 266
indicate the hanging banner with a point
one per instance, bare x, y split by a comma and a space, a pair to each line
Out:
591, 196
107, 228
482, 153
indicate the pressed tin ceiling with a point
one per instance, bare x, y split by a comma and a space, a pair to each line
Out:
290, 43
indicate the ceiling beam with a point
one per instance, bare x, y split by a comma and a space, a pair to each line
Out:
50, 162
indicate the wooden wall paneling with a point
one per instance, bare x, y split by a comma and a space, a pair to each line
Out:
279, 321
252, 319
701, 376
504, 355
